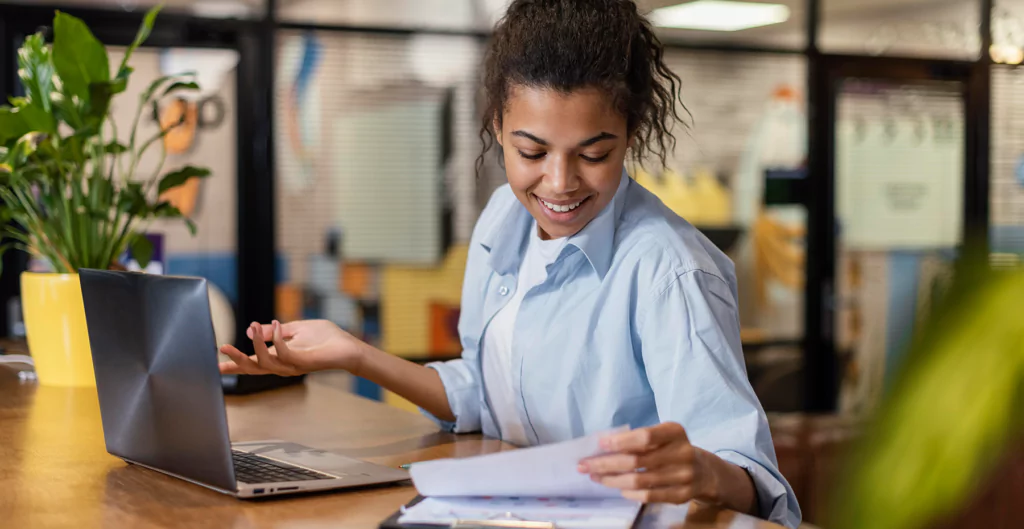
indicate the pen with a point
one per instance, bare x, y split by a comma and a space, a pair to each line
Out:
406, 466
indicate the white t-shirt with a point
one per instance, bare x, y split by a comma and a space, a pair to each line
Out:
497, 347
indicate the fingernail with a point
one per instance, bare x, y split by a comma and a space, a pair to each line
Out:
583, 468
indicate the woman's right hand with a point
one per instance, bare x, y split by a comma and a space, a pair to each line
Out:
299, 347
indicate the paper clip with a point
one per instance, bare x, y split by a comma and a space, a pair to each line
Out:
508, 520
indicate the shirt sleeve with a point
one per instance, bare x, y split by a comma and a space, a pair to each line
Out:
690, 337
461, 377
462, 386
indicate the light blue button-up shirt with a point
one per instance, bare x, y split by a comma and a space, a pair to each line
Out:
636, 324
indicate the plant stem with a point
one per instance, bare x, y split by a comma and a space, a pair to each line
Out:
159, 167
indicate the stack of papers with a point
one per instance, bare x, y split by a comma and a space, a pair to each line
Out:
563, 513
533, 484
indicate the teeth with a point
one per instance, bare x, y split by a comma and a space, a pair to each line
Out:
561, 209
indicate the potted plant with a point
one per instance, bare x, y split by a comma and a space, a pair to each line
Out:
69, 188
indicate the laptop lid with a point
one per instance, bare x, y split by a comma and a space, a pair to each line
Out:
154, 354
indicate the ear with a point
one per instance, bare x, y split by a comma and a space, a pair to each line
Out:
632, 141
496, 127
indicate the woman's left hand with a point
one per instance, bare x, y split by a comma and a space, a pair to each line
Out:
656, 464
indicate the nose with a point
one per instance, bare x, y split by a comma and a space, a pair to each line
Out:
561, 175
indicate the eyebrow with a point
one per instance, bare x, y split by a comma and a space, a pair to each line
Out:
585, 143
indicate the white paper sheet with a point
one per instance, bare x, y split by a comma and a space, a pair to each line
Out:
595, 513
548, 470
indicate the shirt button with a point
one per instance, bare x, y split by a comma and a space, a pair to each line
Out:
503, 291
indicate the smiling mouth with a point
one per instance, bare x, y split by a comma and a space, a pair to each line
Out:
561, 208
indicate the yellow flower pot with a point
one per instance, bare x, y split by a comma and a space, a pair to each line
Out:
55, 324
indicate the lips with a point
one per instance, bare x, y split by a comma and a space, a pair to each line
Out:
560, 208
562, 211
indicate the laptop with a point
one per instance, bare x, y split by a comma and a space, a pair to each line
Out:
155, 358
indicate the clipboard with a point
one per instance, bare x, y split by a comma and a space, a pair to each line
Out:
509, 521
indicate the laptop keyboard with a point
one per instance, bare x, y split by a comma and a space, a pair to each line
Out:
253, 469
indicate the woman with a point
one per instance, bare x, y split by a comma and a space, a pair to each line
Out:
586, 303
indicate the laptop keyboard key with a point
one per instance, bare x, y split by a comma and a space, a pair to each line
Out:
254, 469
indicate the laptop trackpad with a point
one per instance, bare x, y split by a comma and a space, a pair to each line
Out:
312, 458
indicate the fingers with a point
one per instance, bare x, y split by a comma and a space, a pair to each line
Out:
265, 358
287, 329
654, 464
277, 335
644, 439
675, 495
241, 364
678, 453
676, 476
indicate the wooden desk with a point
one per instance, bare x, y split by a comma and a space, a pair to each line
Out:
56, 473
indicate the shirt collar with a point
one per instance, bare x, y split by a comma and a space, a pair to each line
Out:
507, 239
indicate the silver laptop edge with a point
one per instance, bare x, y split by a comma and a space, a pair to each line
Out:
161, 402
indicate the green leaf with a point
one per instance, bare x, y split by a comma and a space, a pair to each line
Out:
144, 30
145, 98
78, 57
18, 121
166, 210
142, 250
100, 95
66, 111
25, 146
132, 199
35, 68
179, 177
101, 195
37, 119
12, 125
120, 83
181, 85
157, 83
72, 149
950, 415
115, 148
3, 249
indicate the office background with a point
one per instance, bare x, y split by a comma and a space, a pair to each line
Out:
845, 158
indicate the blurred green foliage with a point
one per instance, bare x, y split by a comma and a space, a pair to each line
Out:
950, 416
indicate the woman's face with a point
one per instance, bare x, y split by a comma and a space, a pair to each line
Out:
563, 155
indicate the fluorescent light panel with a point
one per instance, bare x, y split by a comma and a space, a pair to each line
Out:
719, 15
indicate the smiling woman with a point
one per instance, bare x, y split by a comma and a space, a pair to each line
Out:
587, 304
563, 154
567, 110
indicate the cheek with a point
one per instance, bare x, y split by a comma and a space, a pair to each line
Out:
520, 176
604, 180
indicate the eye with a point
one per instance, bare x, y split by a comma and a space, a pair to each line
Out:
598, 159
537, 156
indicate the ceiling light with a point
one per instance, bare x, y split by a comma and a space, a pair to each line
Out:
719, 15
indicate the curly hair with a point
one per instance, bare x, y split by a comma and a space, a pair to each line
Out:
566, 45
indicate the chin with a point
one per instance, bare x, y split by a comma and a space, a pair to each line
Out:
559, 231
